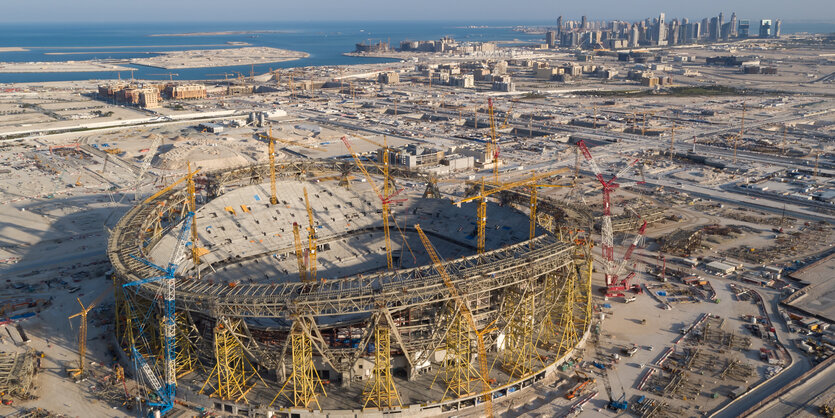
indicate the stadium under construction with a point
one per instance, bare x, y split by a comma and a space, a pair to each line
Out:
300, 293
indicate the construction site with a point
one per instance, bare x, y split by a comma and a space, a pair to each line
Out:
448, 235
354, 306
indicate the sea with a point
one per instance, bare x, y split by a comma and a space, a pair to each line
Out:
326, 42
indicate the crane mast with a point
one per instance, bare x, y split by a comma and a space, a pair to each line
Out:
385, 196
311, 238
299, 253
493, 147
167, 390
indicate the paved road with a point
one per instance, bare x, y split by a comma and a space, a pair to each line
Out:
799, 365
806, 396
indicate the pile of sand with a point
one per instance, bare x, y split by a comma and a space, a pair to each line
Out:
206, 154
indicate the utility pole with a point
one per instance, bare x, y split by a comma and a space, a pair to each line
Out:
783, 145
672, 141
741, 130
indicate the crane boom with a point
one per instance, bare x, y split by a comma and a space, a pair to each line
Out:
607, 239
508, 186
170, 186
464, 309
481, 213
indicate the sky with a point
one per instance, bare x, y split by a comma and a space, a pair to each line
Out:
373, 10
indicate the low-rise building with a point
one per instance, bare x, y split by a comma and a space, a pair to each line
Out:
185, 91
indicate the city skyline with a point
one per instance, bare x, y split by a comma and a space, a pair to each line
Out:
375, 10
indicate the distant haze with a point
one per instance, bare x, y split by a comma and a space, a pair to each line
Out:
465, 11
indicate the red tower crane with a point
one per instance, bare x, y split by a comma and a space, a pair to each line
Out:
614, 287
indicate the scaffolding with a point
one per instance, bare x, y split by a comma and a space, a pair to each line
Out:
186, 358
567, 326
457, 370
380, 391
304, 380
230, 379
519, 357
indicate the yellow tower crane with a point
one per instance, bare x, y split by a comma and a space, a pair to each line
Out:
299, 253
196, 250
482, 201
82, 332
464, 310
507, 116
271, 150
170, 186
672, 141
311, 239
492, 146
385, 198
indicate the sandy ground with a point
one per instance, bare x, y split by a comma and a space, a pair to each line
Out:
58, 67
219, 57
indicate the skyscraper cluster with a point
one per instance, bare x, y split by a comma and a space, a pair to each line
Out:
655, 32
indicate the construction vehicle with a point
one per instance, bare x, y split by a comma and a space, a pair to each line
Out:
170, 186
618, 405
82, 333
507, 116
826, 410
614, 287
584, 380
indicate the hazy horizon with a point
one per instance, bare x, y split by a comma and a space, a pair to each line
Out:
469, 11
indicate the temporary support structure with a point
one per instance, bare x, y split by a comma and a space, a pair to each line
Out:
186, 358
380, 390
231, 378
457, 370
533, 191
568, 328
519, 356
304, 380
